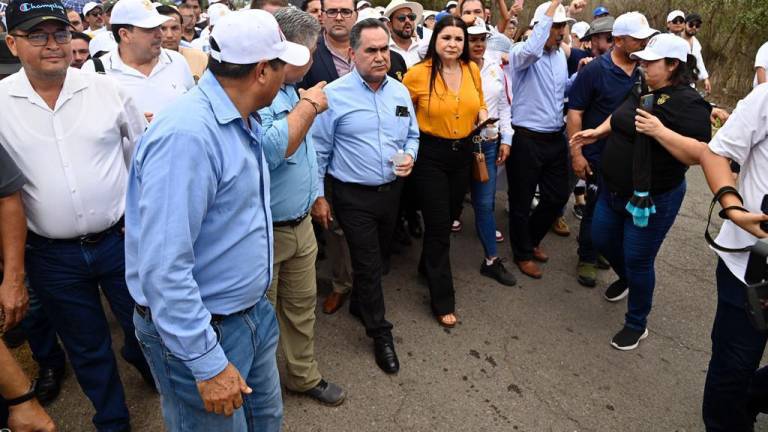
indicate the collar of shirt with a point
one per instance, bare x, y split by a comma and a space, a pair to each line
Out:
116, 62
413, 47
333, 52
360, 79
606, 61
73, 83
222, 106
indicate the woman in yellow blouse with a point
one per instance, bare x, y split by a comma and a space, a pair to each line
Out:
448, 98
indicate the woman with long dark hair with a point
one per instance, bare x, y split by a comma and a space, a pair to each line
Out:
448, 99
643, 173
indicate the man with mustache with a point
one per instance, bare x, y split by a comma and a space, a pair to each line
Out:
539, 154
74, 160
153, 75
403, 16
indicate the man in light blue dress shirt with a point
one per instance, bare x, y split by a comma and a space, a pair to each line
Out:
539, 154
294, 187
199, 237
367, 141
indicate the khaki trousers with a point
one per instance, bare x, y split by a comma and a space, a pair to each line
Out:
293, 293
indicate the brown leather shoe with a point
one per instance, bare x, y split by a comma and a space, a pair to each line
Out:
530, 269
560, 227
539, 255
333, 302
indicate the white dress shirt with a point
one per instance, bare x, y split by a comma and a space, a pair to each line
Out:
696, 52
74, 156
497, 101
411, 55
170, 78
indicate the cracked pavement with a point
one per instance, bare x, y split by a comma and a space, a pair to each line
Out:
535, 357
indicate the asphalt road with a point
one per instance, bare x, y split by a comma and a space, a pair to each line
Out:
535, 357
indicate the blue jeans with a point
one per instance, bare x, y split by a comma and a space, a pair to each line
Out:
249, 340
66, 276
586, 250
632, 250
484, 201
735, 389
41, 336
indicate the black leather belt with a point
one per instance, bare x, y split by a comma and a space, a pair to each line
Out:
452, 144
89, 239
550, 136
145, 313
290, 223
379, 188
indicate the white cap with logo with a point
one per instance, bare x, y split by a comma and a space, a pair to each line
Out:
559, 17
252, 36
633, 24
217, 11
675, 14
478, 27
138, 13
580, 28
664, 45
369, 13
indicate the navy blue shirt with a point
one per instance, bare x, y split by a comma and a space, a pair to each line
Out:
598, 90
573, 60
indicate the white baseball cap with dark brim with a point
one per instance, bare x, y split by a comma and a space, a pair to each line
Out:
362, 3
633, 24
395, 5
664, 45
91, 6
251, 36
478, 27
675, 14
138, 13
559, 17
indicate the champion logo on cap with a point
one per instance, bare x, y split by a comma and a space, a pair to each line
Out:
27, 7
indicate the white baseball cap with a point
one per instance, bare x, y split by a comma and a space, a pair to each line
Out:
395, 5
216, 11
478, 27
675, 14
633, 24
362, 3
451, 4
91, 6
138, 13
664, 45
559, 17
103, 41
252, 36
580, 28
370, 13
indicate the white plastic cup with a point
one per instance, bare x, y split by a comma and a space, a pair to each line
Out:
398, 158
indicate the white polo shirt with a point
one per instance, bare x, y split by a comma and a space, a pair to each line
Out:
411, 55
74, 156
169, 79
744, 139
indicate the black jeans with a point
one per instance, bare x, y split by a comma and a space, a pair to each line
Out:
735, 390
367, 216
535, 159
442, 177
586, 251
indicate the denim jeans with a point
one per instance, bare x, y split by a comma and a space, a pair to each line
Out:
249, 341
484, 201
66, 277
41, 336
632, 250
735, 389
586, 250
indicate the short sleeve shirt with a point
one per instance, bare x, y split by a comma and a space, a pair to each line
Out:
599, 88
11, 179
761, 60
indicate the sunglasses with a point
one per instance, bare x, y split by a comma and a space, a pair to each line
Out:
410, 16
40, 38
678, 20
95, 13
333, 13
694, 24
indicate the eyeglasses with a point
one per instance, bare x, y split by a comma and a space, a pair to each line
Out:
694, 25
333, 13
678, 20
39, 39
95, 13
410, 16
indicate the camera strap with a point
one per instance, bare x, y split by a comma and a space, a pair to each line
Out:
715, 200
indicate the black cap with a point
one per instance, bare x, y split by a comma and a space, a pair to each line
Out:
9, 64
691, 17
26, 14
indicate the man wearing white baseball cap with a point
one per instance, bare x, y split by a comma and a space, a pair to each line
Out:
539, 80
216, 11
676, 22
199, 239
403, 17
153, 75
94, 16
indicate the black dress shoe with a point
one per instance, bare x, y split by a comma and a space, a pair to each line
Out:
48, 384
386, 358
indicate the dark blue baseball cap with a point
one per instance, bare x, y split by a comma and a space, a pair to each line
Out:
26, 14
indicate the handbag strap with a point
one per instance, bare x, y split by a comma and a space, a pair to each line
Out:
715, 200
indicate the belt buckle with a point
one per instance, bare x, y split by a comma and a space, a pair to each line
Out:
91, 238
455, 145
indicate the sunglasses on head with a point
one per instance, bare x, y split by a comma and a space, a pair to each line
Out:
678, 20
410, 16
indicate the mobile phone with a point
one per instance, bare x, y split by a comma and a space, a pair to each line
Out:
646, 102
764, 208
482, 125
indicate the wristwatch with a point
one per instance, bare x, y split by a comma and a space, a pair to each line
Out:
26, 397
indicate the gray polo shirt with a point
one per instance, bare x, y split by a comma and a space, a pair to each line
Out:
11, 179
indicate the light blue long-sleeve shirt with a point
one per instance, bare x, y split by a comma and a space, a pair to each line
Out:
197, 223
294, 185
539, 81
357, 136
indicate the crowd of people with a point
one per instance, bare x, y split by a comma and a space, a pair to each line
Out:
192, 163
